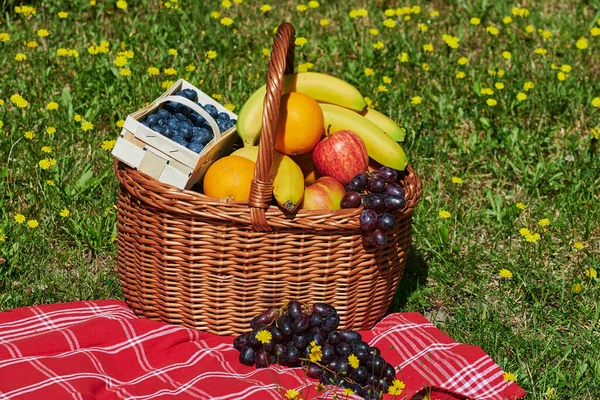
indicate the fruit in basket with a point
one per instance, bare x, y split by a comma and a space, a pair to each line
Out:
321, 87
229, 177
307, 166
386, 124
341, 155
288, 180
380, 146
300, 124
323, 351
325, 194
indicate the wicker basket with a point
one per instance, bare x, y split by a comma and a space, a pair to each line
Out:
188, 259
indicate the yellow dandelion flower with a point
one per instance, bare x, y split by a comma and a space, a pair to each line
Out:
504, 273
451, 41
460, 75
544, 222
292, 394
378, 45
532, 237
52, 106
546, 34
475, 21
78, 118
125, 72
578, 245
369, 72
265, 7
122, 5
215, 14
428, 47
362, 12
324, 22
499, 85
167, 84
507, 20
491, 102
521, 206
456, 180
566, 68
87, 126
4, 37
591, 273
313, 4
382, 88
120, 123
509, 377
29, 135
576, 288
403, 57
32, 44
434, 14
47, 149
423, 27
226, 21
20, 57
492, 30
120, 61
396, 387
425, 67
264, 336
43, 33
387, 80
463, 61
19, 101
444, 214
108, 144
561, 76
506, 55
500, 73
416, 100
521, 96
63, 14
390, 12
389, 23
173, 52
216, 96
211, 54
582, 44
50, 130
152, 71
486, 91
32, 223
226, 3
595, 31
300, 41
524, 232
348, 392
529, 29
596, 133
20, 218
541, 51
596, 102
64, 213
528, 86
353, 361
316, 353
369, 102
170, 71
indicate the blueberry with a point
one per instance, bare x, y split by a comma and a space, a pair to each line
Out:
162, 113
151, 120
168, 131
212, 110
173, 123
225, 125
223, 116
186, 132
189, 94
162, 122
171, 107
187, 124
180, 140
146, 124
181, 117
195, 147
158, 128
197, 119
202, 135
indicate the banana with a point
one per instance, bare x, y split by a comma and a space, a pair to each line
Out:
386, 124
321, 87
288, 180
380, 146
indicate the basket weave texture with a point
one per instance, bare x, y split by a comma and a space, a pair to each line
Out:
209, 264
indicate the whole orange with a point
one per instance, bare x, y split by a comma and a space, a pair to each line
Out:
300, 124
229, 177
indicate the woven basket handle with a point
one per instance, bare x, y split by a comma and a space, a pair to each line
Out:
281, 63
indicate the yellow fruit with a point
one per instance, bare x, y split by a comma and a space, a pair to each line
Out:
288, 181
229, 177
321, 87
385, 124
300, 124
380, 146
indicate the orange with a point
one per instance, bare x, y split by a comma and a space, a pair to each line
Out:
229, 177
301, 124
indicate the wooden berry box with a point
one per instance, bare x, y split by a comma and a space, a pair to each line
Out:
164, 159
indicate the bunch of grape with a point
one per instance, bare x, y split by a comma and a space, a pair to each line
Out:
296, 335
380, 194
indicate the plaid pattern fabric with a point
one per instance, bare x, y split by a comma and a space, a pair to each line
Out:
101, 350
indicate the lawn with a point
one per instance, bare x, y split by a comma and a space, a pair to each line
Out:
501, 108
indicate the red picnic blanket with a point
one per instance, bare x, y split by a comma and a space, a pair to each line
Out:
101, 350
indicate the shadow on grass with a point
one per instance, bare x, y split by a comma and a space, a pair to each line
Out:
415, 275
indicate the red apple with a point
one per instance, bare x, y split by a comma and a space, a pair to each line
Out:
325, 194
341, 155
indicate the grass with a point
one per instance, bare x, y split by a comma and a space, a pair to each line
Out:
540, 151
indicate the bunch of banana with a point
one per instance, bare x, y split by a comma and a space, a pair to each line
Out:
288, 179
343, 108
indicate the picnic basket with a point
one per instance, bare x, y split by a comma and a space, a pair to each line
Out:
210, 264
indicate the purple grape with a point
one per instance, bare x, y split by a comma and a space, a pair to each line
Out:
261, 358
331, 323
389, 371
388, 175
394, 203
386, 222
315, 320
294, 309
374, 202
328, 353
349, 336
241, 341
351, 200
265, 318
359, 375
292, 354
300, 341
247, 356
281, 353
395, 189
323, 309
314, 371
376, 185
380, 238
334, 338
343, 349
358, 183
368, 220
301, 323
368, 239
